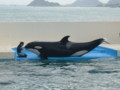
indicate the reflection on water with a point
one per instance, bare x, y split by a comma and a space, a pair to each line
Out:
96, 74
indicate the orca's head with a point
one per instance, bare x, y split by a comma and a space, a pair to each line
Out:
33, 47
29, 46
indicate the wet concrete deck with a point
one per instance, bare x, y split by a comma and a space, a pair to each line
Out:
6, 52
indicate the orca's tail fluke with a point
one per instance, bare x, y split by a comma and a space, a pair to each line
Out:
106, 40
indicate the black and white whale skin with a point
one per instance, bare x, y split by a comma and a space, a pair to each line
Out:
62, 48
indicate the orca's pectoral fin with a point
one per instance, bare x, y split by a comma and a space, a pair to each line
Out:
64, 40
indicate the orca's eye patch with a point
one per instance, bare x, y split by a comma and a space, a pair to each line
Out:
38, 47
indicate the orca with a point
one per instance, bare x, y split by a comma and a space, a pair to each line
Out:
62, 48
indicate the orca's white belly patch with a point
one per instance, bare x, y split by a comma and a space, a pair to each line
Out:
79, 53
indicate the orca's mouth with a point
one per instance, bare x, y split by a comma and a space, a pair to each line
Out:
26, 47
29, 49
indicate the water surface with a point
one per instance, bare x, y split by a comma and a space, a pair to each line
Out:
98, 74
58, 14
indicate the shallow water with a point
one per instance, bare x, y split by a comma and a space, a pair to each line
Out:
99, 74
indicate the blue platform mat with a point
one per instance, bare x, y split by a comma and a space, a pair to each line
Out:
98, 52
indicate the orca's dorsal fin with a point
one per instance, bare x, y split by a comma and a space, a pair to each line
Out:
64, 40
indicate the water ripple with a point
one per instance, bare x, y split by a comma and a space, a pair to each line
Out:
98, 74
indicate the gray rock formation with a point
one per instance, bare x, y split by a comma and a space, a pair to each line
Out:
113, 3
88, 3
43, 3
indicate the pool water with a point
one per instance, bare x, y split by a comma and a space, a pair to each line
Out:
96, 74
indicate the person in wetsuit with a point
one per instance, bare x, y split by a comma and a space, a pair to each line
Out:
19, 50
